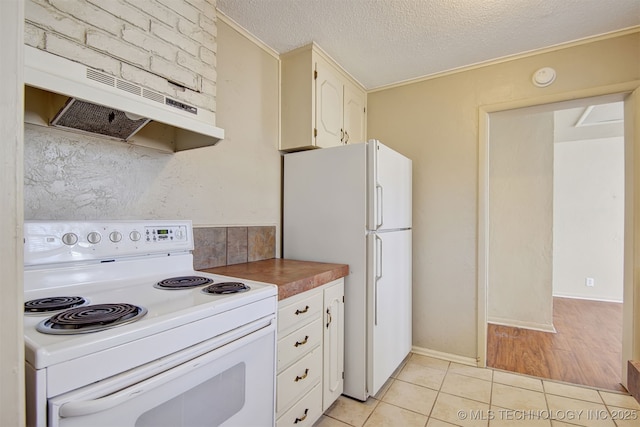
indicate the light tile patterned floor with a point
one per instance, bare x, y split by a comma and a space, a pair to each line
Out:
428, 392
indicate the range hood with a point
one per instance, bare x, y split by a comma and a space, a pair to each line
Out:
71, 96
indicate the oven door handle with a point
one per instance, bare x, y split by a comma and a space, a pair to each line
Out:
88, 407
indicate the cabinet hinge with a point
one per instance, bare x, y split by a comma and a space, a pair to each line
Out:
315, 74
342, 298
315, 132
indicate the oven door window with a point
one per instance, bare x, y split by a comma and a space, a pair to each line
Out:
232, 385
215, 400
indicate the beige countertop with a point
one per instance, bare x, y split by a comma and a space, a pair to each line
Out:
292, 277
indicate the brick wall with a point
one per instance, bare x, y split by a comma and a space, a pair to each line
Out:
166, 45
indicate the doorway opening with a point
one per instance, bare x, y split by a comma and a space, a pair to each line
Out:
555, 241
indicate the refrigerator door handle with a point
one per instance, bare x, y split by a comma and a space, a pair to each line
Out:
379, 206
377, 278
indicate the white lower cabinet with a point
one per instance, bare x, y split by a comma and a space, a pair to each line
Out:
310, 354
296, 344
298, 379
305, 412
333, 344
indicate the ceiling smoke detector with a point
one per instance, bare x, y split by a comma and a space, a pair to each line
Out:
544, 77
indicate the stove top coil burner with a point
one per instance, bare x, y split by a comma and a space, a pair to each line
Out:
183, 282
50, 304
91, 318
224, 288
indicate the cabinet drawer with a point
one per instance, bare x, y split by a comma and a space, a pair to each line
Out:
300, 377
305, 412
299, 313
298, 343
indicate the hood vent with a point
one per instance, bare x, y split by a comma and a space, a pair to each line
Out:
70, 96
92, 118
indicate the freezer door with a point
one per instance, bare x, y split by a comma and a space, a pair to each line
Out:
389, 188
389, 299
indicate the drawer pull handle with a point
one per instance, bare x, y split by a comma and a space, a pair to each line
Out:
306, 372
302, 311
329, 318
304, 417
303, 342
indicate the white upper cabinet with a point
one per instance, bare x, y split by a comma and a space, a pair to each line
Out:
329, 105
322, 106
355, 123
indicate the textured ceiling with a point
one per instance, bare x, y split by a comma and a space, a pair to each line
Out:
381, 42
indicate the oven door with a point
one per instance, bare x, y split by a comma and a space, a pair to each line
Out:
231, 384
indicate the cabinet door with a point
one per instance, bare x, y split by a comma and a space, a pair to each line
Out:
333, 344
329, 104
354, 115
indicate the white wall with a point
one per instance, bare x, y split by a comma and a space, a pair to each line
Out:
588, 219
236, 182
521, 219
11, 290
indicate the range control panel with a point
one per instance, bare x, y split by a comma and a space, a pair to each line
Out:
165, 234
48, 242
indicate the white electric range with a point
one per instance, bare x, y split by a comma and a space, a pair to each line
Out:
137, 337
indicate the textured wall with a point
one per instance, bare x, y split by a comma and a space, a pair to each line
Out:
168, 45
72, 176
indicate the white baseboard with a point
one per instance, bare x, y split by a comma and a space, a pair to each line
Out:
586, 298
445, 356
524, 325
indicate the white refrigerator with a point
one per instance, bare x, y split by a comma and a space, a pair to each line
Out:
352, 205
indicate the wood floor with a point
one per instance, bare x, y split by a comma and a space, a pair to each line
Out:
585, 350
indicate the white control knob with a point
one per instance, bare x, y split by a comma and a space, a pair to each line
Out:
94, 237
179, 234
115, 236
69, 239
134, 235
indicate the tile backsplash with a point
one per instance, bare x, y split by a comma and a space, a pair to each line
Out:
219, 246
